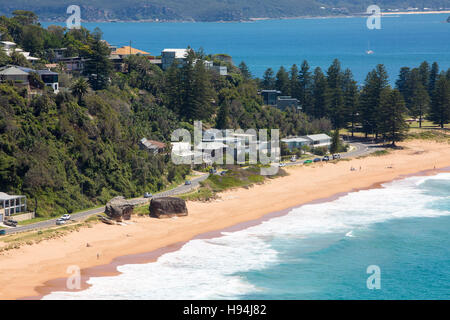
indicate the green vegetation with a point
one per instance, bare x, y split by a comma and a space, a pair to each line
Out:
235, 177
205, 10
80, 148
433, 135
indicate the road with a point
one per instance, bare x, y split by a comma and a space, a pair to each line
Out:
360, 149
84, 214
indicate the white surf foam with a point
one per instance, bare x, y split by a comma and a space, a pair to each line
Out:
209, 268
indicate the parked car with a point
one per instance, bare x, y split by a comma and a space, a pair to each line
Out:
293, 158
326, 158
188, 183
224, 172
2, 232
317, 160
11, 223
61, 221
66, 217
147, 195
212, 171
282, 164
336, 156
307, 161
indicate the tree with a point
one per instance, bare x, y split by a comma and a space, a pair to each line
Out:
268, 81
370, 99
282, 82
98, 67
294, 84
335, 142
79, 89
351, 96
392, 115
305, 95
434, 74
440, 102
321, 95
222, 121
245, 71
334, 80
417, 100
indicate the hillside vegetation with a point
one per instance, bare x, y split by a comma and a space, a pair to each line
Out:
206, 10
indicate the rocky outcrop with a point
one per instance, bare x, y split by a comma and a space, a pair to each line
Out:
168, 207
119, 209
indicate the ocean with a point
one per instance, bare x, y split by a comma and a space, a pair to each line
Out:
404, 40
315, 251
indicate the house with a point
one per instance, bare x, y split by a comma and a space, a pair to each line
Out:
152, 145
284, 102
127, 51
50, 79
73, 64
296, 142
270, 97
313, 141
11, 204
14, 74
169, 56
319, 140
10, 48
20, 75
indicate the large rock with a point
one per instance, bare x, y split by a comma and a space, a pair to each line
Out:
119, 209
168, 207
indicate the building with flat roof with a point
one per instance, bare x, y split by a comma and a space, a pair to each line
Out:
11, 204
284, 102
169, 56
313, 140
270, 97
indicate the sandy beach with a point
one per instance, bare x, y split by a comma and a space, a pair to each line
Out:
24, 271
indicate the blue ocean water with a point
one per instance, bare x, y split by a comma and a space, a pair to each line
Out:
316, 251
402, 41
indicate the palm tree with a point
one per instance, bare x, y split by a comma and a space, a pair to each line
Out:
79, 88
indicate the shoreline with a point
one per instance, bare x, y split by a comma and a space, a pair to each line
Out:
255, 19
146, 239
110, 269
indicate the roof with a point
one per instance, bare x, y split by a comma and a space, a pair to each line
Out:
294, 139
152, 144
320, 136
179, 53
46, 72
8, 43
13, 71
127, 50
5, 196
211, 146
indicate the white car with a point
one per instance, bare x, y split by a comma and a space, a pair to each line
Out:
66, 217
61, 221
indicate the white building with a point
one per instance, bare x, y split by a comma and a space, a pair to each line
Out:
11, 204
10, 47
169, 56
313, 140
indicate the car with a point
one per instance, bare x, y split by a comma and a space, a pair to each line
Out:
307, 161
2, 232
224, 172
61, 221
336, 156
293, 159
11, 223
282, 165
66, 217
317, 160
147, 195
326, 158
187, 182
